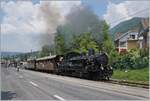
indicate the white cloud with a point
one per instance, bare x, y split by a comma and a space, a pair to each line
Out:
19, 42
24, 19
117, 13
65, 6
20, 17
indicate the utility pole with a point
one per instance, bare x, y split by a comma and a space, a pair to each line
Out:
31, 54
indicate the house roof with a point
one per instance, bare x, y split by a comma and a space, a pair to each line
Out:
121, 36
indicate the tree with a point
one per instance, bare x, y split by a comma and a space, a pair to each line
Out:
107, 42
105, 30
45, 51
59, 44
82, 42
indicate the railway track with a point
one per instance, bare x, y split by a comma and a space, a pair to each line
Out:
127, 83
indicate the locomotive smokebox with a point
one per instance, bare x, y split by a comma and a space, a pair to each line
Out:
91, 52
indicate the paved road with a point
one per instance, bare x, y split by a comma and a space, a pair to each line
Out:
30, 85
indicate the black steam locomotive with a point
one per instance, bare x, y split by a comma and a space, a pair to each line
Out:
75, 64
86, 66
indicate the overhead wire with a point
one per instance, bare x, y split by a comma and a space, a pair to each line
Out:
116, 21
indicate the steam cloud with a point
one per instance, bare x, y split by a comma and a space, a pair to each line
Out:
52, 17
80, 19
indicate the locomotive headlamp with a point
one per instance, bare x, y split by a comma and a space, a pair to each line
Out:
111, 67
70, 64
86, 68
102, 67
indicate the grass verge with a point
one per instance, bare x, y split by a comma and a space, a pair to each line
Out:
138, 75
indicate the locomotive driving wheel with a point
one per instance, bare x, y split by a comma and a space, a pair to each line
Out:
107, 78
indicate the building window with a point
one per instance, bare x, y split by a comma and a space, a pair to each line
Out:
122, 44
132, 36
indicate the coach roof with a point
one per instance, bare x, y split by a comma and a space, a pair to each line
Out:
46, 58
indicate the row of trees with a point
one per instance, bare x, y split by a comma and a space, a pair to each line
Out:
80, 42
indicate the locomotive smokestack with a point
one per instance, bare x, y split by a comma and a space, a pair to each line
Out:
91, 52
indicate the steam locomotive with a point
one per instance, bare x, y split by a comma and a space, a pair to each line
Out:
89, 66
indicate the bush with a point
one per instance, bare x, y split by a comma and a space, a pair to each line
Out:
113, 57
141, 62
144, 52
131, 60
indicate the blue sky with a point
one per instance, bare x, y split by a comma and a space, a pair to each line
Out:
22, 22
98, 6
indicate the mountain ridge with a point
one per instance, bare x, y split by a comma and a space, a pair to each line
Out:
125, 26
5, 53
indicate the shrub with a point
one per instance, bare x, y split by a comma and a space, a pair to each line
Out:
131, 60
113, 57
141, 62
144, 52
